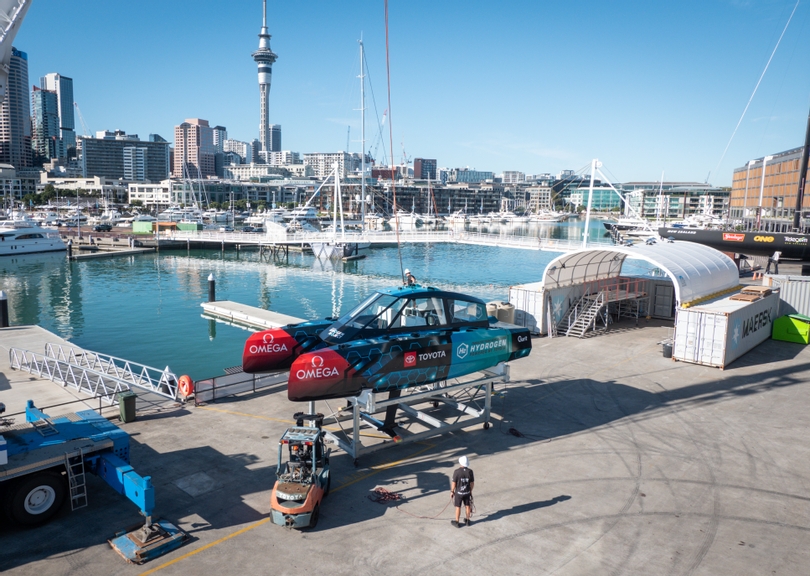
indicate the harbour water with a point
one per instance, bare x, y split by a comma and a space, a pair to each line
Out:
146, 308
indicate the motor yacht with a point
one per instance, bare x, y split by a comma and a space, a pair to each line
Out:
26, 237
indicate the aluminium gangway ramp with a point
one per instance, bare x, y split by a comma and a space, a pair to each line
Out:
92, 373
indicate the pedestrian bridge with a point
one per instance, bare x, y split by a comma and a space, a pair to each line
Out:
374, 238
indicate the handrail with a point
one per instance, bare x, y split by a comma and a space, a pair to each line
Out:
80, 379
162, 382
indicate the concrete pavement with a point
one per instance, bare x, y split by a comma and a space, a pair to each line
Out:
603, 458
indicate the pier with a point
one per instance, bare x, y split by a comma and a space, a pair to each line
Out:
246, 316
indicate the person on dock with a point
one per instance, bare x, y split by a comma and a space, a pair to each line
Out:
461, 491
773, 260
410, 279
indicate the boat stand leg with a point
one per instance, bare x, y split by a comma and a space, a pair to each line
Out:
391, 413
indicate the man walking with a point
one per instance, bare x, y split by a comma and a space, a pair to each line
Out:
461, 490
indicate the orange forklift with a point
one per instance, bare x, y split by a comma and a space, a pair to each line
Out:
302, 474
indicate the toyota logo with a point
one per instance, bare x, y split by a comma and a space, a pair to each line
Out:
317, 361
264, 338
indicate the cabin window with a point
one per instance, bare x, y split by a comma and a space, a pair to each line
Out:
465, 311
419, 312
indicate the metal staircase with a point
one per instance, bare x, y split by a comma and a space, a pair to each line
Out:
74, 465
582, 316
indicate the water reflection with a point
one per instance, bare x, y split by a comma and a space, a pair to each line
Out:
147, 308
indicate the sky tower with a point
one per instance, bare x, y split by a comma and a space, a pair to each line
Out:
264, 57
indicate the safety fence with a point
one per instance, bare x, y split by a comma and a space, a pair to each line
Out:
235, 382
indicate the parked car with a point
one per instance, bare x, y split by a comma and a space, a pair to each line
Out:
226, 228
102, 228
248, 229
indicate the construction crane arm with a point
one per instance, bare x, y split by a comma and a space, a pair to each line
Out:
81, 119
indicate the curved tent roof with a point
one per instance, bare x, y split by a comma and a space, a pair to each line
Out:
696, 271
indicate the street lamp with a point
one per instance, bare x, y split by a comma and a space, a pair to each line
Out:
745, 201
762, 189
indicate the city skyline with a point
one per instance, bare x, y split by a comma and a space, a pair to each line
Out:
647, 90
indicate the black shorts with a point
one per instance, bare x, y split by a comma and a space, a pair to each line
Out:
460, 499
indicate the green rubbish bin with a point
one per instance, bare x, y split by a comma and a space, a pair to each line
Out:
126, 404
792, 328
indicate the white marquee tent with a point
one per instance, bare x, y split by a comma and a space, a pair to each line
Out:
696, 271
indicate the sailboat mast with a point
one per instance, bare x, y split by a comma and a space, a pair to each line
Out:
362, 139
797, 215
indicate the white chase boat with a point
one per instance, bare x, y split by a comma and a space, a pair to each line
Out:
19, 237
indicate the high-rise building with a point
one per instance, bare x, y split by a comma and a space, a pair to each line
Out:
63, 86
45, 142
15, 114
194, 151
117, 155
264, 58
136, 163
243, 149
220, 134
275, 138
424, 169
323, 163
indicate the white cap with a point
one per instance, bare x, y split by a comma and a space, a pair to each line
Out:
463, 461
407, 271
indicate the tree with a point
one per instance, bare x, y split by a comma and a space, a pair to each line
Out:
48, 193
137, 203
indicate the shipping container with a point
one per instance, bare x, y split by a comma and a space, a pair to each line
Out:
528, 302
794, 293
719, 332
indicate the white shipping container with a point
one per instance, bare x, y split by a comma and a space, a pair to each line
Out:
719, 332
528, 302
794, 293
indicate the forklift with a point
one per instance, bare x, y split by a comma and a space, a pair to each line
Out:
302, 474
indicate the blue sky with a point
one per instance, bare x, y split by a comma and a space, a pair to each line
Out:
536, 86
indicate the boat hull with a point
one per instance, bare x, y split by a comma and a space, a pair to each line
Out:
276, 349
396, 363
792, 246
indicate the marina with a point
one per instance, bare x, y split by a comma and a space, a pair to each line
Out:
218, 355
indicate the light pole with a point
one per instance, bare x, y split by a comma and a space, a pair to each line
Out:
745, 201
762, 189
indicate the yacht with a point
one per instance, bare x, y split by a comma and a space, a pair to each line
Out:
624, 223
26, 237
496, 217
457, 217
178, 214
216, 216
547, 216
510, 217
407, 220
47, 218
75, 218
374, 221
